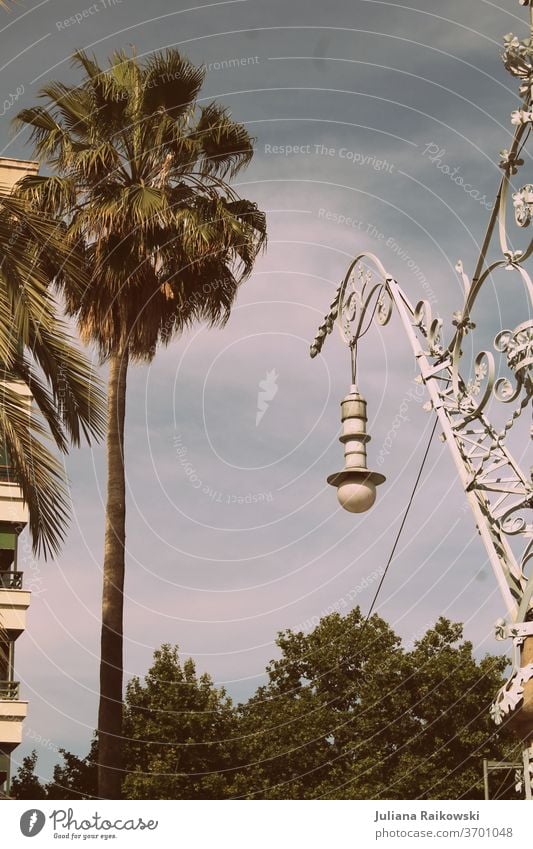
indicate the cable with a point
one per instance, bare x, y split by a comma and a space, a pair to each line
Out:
398, 535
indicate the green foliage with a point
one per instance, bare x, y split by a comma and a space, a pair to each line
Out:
141, 172
322, 711
448, 695
181, 733
77, 778
25, 784
37, 352
346, 713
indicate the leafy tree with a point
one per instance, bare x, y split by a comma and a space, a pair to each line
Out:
397, 724
346, 713
141, 178
181, 736
448, 694
77, 778
25, 784
320, 719
182, 733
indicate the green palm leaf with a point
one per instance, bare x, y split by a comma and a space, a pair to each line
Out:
37, 471
170, 83
37, 351
226, 146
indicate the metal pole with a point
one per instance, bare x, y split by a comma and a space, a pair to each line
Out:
486, 778
527, 772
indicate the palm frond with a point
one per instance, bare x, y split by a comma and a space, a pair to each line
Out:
35, 250
81, 59
22, 304
75, 388
170, 83
226, 145
45, 193
39, 474
69, 104
94, 163
51, 142
43, 400
108, 100
144, 202
39, 246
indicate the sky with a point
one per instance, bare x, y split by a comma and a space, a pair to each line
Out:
233, 534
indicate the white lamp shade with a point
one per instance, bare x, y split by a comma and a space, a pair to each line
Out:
356, 497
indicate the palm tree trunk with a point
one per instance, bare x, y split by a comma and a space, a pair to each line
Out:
111, 661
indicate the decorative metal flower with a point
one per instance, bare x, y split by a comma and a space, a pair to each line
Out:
462, 323
518, 56
512, 258
507, 161
526, 89
520, 116
523, 205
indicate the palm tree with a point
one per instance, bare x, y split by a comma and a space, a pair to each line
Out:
36, 350
142, 179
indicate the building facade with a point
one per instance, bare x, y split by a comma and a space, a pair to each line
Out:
14, 599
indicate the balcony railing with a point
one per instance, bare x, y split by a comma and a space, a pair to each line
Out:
9, 691
11, 580
7, 474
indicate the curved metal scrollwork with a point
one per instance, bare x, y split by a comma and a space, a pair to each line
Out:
517, 344
430, 327
362, 295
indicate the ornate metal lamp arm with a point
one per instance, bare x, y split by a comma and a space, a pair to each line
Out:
478, 449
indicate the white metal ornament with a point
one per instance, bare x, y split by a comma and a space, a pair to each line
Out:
499, 491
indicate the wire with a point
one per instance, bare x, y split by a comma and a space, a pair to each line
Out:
398, 535
502, 788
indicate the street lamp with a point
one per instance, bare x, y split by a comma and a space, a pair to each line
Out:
499, 491
356, 485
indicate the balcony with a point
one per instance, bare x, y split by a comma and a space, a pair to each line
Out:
11, 580
6, 473
14, 508
9, 691
13, 606
12, 714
